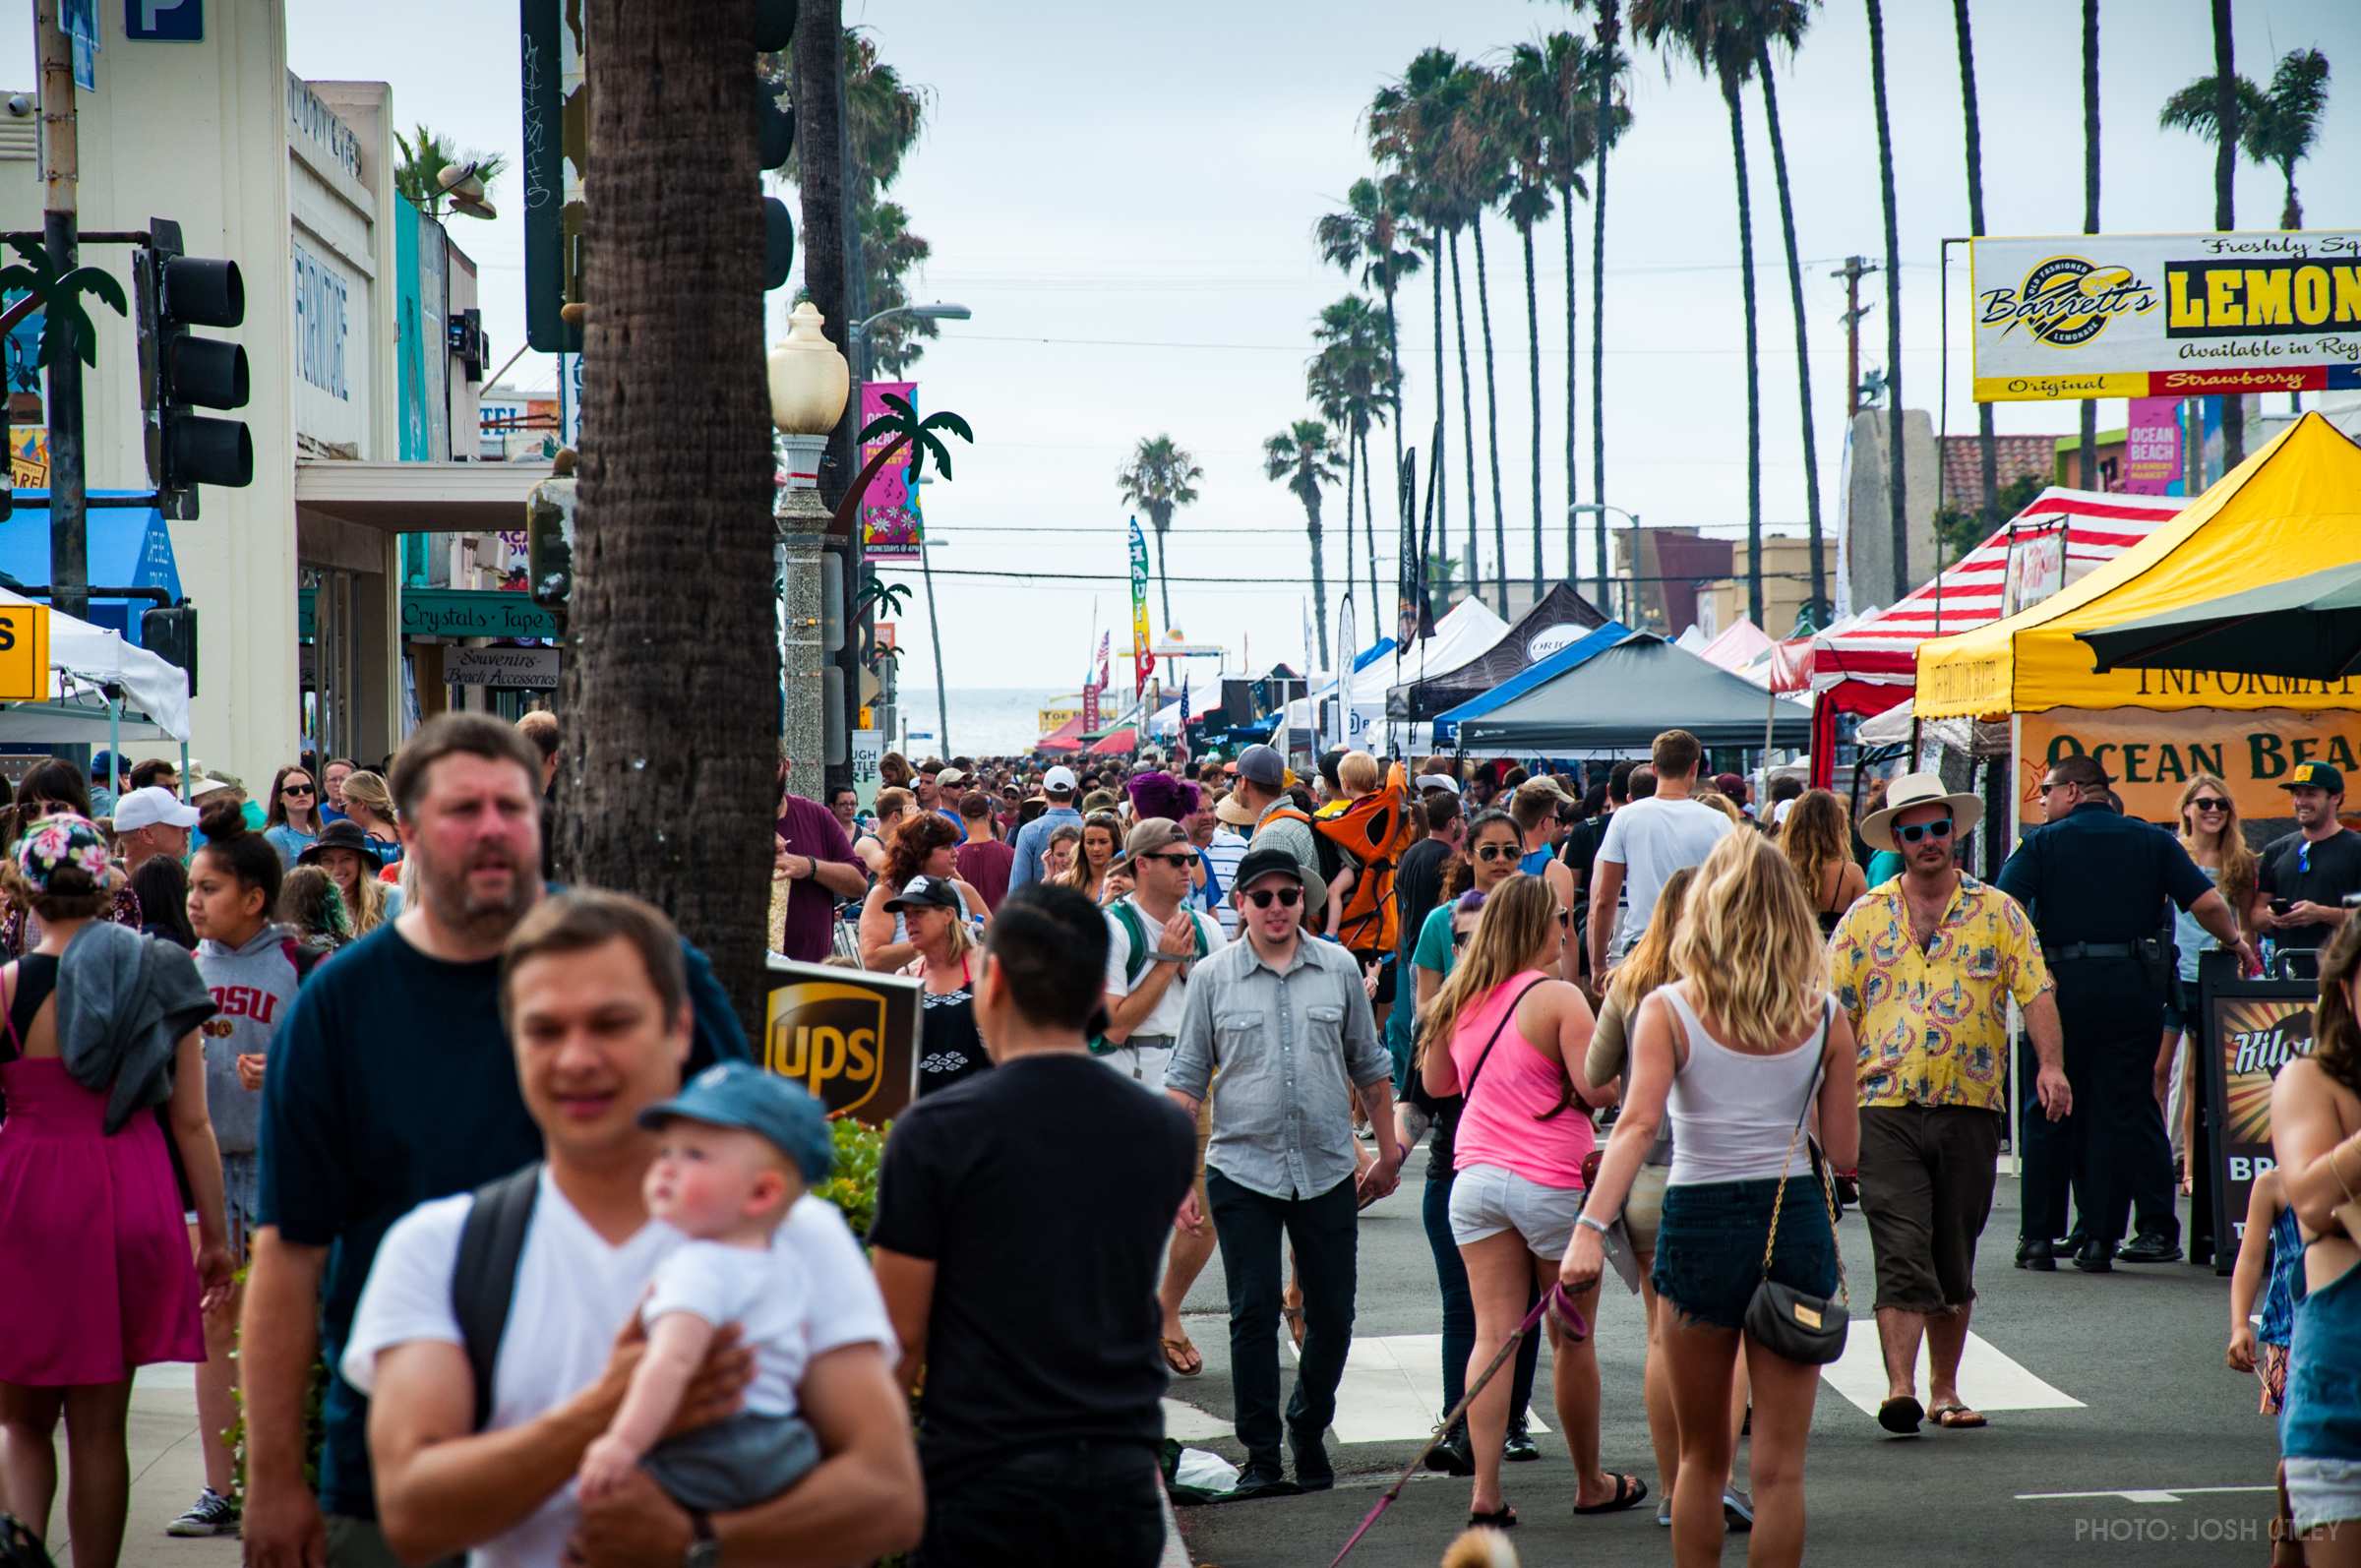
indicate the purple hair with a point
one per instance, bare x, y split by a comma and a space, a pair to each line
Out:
1470, 902
1161, 794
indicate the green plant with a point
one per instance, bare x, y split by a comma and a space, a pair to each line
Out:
425, 154
853, 1184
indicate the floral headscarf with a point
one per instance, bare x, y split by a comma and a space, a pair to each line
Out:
54, 843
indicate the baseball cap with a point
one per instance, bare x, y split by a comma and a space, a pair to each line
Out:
1057, 781
1150, 835
2316, 775
925, 892
1261, 862
145, 808
1260, 765
1437, 781
738, 1094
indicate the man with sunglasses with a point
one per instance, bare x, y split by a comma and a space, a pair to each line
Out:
2095, 882
2305, 875
1284, 1017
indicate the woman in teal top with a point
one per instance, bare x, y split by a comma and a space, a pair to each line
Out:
292, 824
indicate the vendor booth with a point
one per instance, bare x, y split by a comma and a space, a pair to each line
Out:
1562, 616
1460, 638
1621, 697
1581, 651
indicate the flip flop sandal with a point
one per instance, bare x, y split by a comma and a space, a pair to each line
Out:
1181, 1351
1901, 1415
1630, 1492
1957, 1417
1501, 1517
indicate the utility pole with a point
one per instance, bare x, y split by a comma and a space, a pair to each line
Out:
69, 555
1852, 271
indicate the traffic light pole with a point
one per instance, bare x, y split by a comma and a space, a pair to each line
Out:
68, 559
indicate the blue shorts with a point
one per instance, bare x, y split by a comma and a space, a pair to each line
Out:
1709, 1245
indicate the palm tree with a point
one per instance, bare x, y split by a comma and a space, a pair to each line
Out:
901, 422
1159, 479
1795, 17
1351, 381
1987, 454
689, 740
2275, 128
1369, 241
1895, 497
1524, 122
1303, 457
1481, 158
425, 155
1609, 61
2089, 407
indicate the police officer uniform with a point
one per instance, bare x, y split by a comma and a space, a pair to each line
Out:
2093, 881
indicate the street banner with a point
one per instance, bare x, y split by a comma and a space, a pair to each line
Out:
869, 757
2151, 447
23, 654
1094, 682
2256, 1026
1345, 648
1143, 659
850, 1036
1180, 737
2252, 750
890, 526
2166, 315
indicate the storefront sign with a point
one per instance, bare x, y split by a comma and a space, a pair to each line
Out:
23, 654
2151, 447
2152, 756
525, 668
849, 1036
332, 351
2036, 566
889, 520
2257, 1028
2166, 315
869, 757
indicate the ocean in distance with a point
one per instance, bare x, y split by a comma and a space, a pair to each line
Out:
985, 721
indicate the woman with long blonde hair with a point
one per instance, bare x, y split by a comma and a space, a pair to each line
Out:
1505, 1035
1735, 1051
1817, 841
2212, 835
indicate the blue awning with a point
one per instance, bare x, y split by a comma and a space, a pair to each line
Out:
127, 547
1584, 648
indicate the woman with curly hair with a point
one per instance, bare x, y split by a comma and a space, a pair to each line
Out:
926, 844
1817, 841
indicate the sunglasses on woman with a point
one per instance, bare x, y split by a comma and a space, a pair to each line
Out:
1487, 853
298, 789
2207, 804
1261, 897
1940, 828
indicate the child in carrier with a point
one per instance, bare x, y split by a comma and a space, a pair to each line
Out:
737, 1148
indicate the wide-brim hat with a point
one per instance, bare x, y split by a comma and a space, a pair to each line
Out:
343, 833
1914, 790
1237, 813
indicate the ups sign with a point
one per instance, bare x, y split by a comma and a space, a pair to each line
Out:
848, 1036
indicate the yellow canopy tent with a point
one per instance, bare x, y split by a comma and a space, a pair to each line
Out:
2292, 508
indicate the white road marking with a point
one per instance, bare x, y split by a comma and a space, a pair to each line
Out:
2142, 1494
1184, 1422
1392, 1390
1988, 1379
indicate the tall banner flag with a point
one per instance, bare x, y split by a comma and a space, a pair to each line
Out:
1094, 682
1345, 652
1143, 659
1180, 739
890, 527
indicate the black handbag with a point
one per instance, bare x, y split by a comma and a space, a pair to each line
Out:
1807, 1329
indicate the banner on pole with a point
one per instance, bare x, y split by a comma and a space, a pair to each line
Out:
890, 526
1143, 661
1344, 674
2151, 447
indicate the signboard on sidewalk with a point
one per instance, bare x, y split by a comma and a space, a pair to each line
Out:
847, 1035
869, 757
2254, 1029
2252, 751
2166, 315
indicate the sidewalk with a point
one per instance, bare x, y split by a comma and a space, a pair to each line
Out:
166, 1473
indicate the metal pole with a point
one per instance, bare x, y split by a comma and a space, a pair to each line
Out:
69, 569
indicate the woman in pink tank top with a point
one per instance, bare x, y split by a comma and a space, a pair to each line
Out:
1502, 1032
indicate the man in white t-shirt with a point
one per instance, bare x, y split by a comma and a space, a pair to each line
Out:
593, 993
1646, 842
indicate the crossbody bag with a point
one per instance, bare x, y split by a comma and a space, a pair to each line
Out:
1807, 1329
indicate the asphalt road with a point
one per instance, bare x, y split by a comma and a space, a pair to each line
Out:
2123, 1392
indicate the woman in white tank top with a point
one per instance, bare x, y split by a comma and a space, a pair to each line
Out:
1732, 1053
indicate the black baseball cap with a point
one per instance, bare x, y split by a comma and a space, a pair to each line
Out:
1261, 862
2315, 775
925, 892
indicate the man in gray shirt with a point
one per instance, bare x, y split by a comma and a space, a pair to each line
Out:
1285, 1019
1058, 788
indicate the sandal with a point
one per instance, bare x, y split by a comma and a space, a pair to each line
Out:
1501, 1517
1630, 1491
1901, 1416
1952, 1415
1183, 1356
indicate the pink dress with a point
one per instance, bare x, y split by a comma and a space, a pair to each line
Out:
96, 1275
1505, 1122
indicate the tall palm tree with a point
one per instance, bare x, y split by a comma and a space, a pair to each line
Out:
1160, 479
1482, 158
1304, 459
1987, 452
427, 154
2225, 197
1524, 122
1351, 381
2089, 407
1795, 17
688, 741
2275, 128
1370, 242
1898, 518
1608, 59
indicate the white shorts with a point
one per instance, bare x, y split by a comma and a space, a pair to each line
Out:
1488, 1199
2323, 1492
1143, 1066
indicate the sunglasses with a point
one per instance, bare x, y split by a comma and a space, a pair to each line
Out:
1940, 828
1261, 897
2050, 784
1181, 861
1460, 939
298, 789
1489, 853
2210, 805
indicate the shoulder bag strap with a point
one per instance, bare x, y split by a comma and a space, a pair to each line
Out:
483, 1279
1827, 1194
1466, 1090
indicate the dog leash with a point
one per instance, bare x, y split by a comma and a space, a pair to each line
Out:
1554, 1298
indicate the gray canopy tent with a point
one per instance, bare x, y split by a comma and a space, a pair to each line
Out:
1622, 698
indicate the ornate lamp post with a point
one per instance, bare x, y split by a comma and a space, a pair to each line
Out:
809, 385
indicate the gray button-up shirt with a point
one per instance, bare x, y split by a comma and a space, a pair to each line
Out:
1291, 1045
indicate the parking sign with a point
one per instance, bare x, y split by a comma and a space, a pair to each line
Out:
165, 21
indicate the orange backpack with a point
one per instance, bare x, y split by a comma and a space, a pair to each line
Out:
1368, 835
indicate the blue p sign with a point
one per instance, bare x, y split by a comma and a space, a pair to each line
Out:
165, 21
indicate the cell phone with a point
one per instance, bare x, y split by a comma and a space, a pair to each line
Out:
2282, 906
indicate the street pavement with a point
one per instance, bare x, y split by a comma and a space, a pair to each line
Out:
2117, 1434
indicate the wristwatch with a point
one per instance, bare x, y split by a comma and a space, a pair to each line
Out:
705, 1552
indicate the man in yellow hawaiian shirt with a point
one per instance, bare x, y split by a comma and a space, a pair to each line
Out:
1925, 966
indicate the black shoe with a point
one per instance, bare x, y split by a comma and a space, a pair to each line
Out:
1520, 1448
1450, 1457
1265, 1479
2095, 1257
2039, 1256
1313, 1473
2151, 1248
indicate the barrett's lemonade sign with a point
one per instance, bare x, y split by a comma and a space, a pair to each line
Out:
23, 654
848, 1036
2153, 756
2166, 315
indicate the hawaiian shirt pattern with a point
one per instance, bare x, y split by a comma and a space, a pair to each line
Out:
1933, 1024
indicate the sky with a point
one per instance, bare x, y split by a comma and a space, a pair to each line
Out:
1125, 196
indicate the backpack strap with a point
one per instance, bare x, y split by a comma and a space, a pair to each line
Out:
483, 1279
1136, 961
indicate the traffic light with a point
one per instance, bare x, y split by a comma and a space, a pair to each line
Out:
774, 135
549, 540
180, 371
170, 633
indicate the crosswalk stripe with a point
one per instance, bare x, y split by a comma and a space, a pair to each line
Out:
1989, 1380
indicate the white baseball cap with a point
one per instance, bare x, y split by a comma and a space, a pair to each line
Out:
1057, 781
145, 808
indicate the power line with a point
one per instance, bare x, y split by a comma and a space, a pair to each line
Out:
1012, 575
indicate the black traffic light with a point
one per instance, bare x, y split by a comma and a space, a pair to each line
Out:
170, 633
180, 371
774, 135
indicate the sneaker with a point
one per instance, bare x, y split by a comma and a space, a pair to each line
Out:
1737, 1511
212, 1513
1663, 1514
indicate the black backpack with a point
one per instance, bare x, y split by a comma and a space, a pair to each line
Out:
483, 1279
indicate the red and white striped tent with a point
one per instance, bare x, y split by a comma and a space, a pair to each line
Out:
1872, 665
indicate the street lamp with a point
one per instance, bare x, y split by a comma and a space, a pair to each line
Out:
925, 313
809, 383
1631, 598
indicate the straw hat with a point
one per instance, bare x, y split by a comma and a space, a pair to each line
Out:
1912, 790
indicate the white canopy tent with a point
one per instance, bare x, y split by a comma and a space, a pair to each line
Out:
105, 690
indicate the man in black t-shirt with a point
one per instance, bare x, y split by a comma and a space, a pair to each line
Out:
2300, 890
1021, 1224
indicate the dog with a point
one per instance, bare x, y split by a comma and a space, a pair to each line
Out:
1482, 1547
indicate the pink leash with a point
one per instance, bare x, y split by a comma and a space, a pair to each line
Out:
1577, 1328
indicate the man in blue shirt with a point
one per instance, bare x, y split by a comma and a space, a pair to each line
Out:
1058, 788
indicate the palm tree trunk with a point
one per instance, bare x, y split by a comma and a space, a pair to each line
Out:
1565, 201
1319, 577
1369, 519
1492, 416
1606, 32
1467, 412
1393, 355
1820, 610
2225, 198
688, 739
1533, 337
1439, 477
1754, 387
2090, 408
1988, 453
1352, 461
1896, 496
1161, 518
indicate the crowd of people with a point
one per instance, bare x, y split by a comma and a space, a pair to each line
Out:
340, 1079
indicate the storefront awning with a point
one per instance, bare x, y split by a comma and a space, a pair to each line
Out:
419, 497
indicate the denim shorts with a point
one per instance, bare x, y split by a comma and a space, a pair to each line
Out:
2322, 1492
1709, 1247
1488, 1199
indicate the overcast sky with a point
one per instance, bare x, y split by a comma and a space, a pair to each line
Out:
1125, 196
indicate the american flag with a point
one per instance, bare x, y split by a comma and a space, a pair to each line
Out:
1180, 741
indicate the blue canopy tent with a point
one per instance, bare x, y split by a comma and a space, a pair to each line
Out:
128, 547
1580, 651
1621, 697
